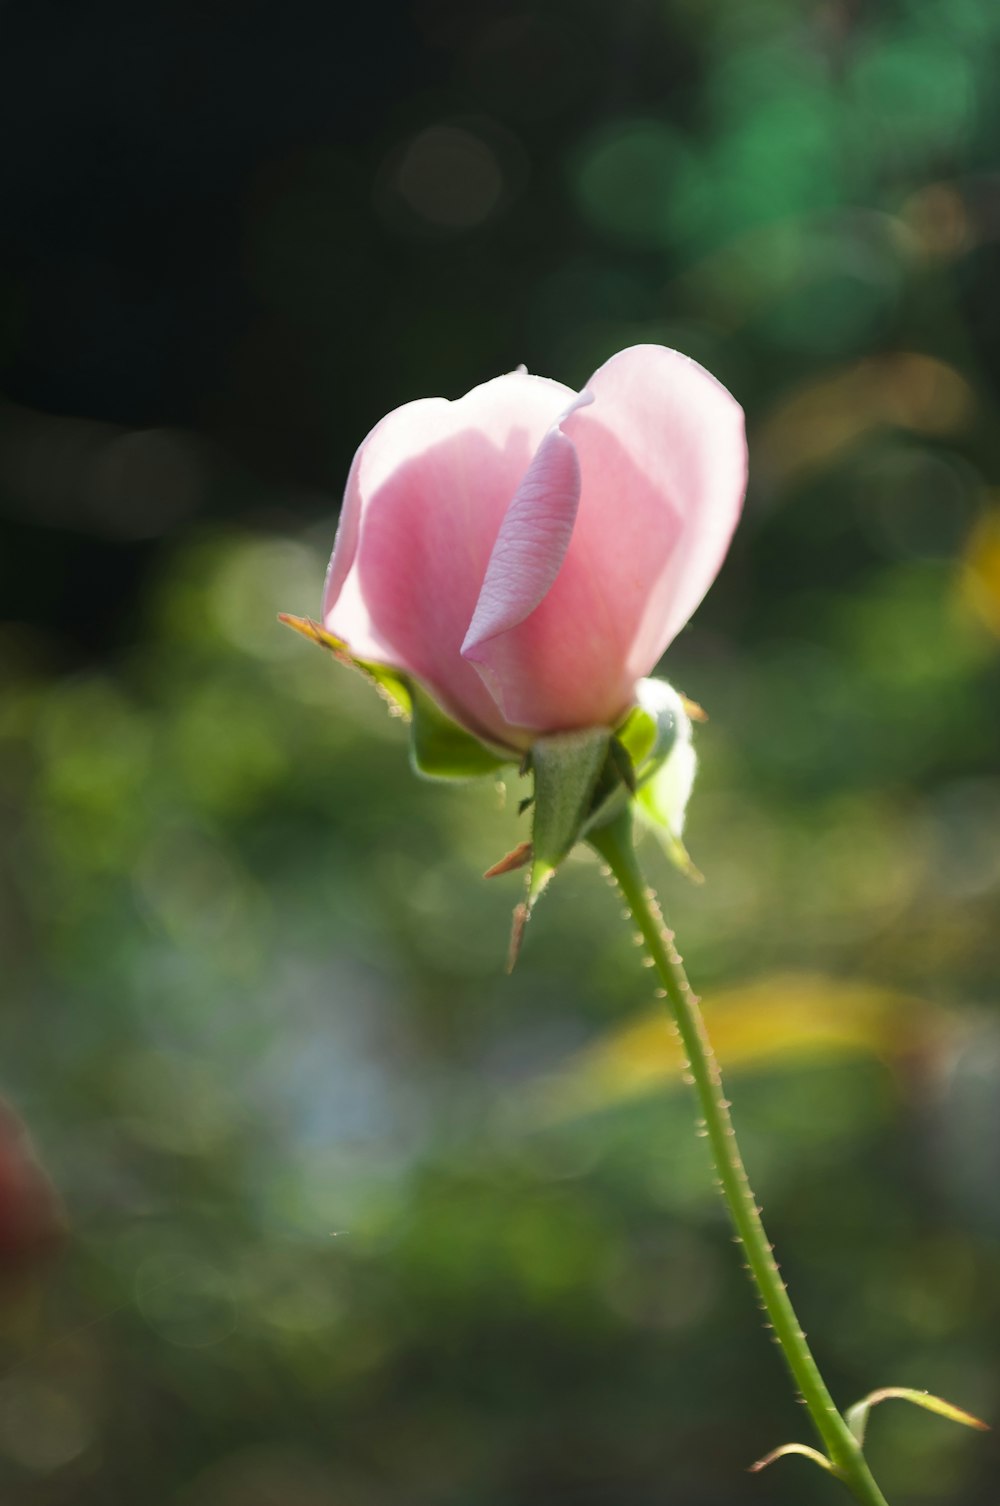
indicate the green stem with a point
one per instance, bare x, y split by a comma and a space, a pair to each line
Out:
614, 844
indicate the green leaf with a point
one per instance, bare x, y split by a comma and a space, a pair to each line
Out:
857, 1416
441, 749
566, 766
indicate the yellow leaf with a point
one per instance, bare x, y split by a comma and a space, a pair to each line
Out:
818, 422
788, 1018
980, 578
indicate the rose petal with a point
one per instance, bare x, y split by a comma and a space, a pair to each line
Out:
685, 432
662, 456
427, 493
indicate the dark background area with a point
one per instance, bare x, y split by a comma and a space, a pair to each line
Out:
355, 1219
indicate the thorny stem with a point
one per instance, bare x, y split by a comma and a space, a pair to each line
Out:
614, 844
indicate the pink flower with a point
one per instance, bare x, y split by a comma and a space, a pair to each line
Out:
528, 553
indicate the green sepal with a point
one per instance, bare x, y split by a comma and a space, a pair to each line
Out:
439, 747
615, 787
392, 685
638, 735
394, 688
567, 767
666, 778
622, 764
642, 749
652, 727
587, 780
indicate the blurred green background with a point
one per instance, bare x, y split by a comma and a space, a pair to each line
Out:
355, 1219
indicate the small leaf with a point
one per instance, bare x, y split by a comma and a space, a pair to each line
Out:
441, 749
857, 1416
795, 1448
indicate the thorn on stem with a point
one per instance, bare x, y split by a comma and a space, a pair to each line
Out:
518, 923
518, 857
695, 712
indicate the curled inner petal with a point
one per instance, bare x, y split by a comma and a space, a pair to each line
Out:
533, 539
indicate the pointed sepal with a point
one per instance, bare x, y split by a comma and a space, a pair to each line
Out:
622, 764
666, 778
857, 1416
439, 747
393, 686
566, 767
651, 764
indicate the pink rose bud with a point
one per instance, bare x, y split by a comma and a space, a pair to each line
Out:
527, 553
